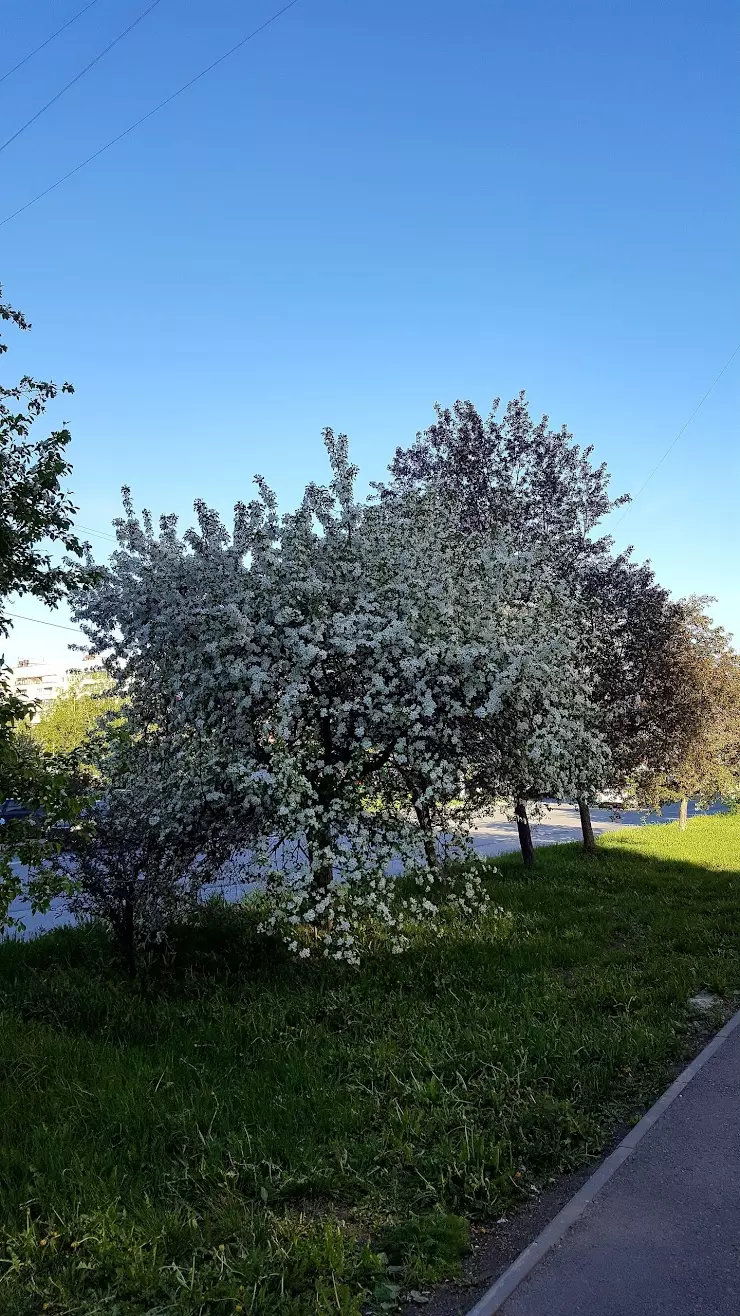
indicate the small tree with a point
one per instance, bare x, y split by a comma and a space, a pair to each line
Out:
66, 721
35, 511
702, 755
144, 853
631, 633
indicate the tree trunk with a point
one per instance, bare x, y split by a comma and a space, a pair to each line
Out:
424, 819
683, 814
525, 832
319, 839
126, 938
322, 871
589, 844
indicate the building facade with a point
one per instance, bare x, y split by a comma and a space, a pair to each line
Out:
40, 682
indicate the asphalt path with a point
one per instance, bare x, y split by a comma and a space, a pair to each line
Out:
662, 1237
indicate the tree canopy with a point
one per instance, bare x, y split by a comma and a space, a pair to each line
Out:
702, 755
66, 722
35, 509
508, 475
36, 523
306, 662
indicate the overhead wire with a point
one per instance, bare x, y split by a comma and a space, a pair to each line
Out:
79, 75
155, 110
103, 534
150, 113
20, 616
45, 43
673, 443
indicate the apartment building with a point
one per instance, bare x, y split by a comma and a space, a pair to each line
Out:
40, 681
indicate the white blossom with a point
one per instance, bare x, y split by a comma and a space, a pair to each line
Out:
330, 681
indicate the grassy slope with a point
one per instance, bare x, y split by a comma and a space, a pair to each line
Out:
230, 1136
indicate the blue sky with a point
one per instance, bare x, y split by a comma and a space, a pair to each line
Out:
370, 207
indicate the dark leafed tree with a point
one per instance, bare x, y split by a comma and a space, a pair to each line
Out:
632, 639
511, 476
507, 471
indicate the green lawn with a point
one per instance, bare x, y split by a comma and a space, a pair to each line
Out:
238, 1132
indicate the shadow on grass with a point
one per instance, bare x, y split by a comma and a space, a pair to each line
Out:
571, 920
258, 1119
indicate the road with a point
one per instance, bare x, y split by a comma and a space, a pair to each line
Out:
493, 835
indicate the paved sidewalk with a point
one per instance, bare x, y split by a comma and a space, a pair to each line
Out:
662, 1237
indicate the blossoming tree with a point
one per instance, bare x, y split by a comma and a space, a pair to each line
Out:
509, 475
334, 669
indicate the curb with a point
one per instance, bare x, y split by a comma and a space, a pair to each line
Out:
504, 1286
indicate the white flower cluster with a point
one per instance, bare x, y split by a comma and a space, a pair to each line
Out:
342, 688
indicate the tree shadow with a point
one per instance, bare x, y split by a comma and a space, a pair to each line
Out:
570, 917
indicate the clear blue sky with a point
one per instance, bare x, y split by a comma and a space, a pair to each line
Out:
371, 206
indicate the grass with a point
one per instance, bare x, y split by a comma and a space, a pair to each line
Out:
238, 1133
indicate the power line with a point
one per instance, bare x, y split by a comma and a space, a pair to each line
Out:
103, 534
59, 30
79, 75
249, 37
20, 616
672, 445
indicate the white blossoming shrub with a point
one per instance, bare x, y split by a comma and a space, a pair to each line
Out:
334, 673
143, 855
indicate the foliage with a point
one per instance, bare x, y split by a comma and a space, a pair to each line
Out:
35, 510
14, 762
144, 853
632, 639
511, 474
702, 757
233, 1128
66, 721
339, 654
53, 789
540, 488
